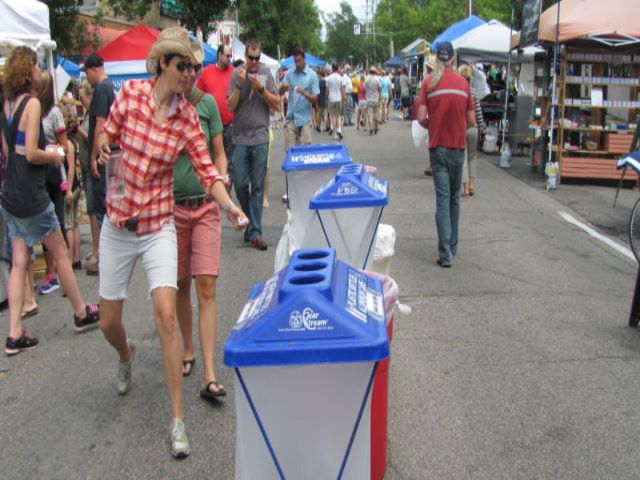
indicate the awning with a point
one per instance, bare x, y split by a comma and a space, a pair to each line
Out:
418, 47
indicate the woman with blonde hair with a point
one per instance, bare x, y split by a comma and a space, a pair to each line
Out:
27, 210
471, 152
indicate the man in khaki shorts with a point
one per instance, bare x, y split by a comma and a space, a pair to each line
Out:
372, 95
336, 96
303, 86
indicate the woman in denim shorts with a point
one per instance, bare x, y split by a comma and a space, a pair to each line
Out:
27, 210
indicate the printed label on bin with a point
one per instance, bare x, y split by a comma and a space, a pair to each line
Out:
377, 185
306, 319
347, 188
310, 157
256, 306
359, 297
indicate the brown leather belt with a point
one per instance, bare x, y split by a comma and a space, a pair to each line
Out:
131, 224
191, 202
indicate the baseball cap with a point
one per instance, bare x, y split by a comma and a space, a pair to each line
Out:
444, 51
93, 60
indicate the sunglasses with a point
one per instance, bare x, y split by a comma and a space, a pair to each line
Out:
251, 57
182, 66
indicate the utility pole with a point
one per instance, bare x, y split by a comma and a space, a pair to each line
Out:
469, 8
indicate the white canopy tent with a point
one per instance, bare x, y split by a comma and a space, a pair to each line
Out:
238, 48
26, 22
490, 42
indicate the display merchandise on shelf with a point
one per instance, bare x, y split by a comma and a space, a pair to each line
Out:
598, 103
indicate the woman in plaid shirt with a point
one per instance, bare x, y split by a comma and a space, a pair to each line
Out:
152, 122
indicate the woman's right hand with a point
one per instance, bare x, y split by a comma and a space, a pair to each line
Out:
105, 151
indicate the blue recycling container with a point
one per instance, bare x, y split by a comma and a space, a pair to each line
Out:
307, 168
349, 210
305, 351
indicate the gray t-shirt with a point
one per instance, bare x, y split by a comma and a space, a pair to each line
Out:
372, 88
53, 124
251, 118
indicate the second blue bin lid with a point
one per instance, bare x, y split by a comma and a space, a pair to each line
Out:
317, 310
352, 188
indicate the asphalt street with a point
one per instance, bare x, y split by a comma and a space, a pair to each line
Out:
517, 363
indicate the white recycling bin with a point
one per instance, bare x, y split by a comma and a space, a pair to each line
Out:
305, 351
307, 168
349, 210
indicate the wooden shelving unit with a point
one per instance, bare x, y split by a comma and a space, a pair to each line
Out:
590, 148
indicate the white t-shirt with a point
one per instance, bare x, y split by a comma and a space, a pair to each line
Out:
334, 83
372, 88
347, 83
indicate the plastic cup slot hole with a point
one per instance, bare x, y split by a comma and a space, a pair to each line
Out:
307, 280
310, 267
317, 255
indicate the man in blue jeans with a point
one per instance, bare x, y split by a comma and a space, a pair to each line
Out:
252, 92
446, 108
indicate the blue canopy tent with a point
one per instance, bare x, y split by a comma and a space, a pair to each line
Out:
311, 61
71, 68
210, 54
457, 30
395, 62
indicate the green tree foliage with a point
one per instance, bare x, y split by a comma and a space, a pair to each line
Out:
342, 45
407, 20
281, 23
130, 9
70, 33
199, 13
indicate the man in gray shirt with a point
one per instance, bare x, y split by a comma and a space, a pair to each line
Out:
252, 92
372, 94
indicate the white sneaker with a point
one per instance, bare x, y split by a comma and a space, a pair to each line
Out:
124, 372
179, 442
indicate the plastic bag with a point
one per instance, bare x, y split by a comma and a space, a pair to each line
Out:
385, 241
286, 245
419, 134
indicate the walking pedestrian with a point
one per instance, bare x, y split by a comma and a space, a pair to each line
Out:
336, 97
385, 91
348, 100
372, 94
152, 123
321, 109
26, 207
198, 228
84, 151
103, 95
471, 152
252, 93
446, 108
405, 93
215, 81
302, 84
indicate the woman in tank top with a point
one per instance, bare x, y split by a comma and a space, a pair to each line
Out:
27, 210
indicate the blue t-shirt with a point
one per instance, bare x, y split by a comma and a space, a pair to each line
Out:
298, 107
385, 84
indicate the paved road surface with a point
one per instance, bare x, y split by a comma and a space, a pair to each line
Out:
515, 363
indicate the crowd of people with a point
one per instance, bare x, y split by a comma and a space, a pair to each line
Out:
157, 161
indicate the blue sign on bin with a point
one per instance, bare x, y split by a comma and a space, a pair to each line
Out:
317, 310
312, 157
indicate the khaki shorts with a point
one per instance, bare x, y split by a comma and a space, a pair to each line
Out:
335, 108
373, 110
198, 233
296, 135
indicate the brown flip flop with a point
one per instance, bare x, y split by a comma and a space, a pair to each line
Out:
190, 363
207, 394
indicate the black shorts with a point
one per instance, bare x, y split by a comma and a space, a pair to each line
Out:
405, 101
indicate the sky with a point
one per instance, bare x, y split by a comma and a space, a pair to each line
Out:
333, 6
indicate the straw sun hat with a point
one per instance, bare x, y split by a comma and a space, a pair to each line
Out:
173, 40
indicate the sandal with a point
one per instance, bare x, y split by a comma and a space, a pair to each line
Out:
29, 313
187, 366
207, 394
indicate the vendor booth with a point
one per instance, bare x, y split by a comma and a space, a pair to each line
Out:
415, 55
598, 85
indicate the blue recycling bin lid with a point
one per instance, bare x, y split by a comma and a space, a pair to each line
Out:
318, 310
352, 188
313, 157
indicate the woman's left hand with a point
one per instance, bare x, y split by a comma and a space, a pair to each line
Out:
68, 197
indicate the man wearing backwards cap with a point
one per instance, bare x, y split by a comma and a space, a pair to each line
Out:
446, 108
153, 123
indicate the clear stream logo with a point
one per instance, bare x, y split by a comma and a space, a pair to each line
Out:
307, 320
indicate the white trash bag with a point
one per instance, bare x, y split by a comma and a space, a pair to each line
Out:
383, 249
419, 134
286, 245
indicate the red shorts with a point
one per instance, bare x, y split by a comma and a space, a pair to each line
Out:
199, 239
